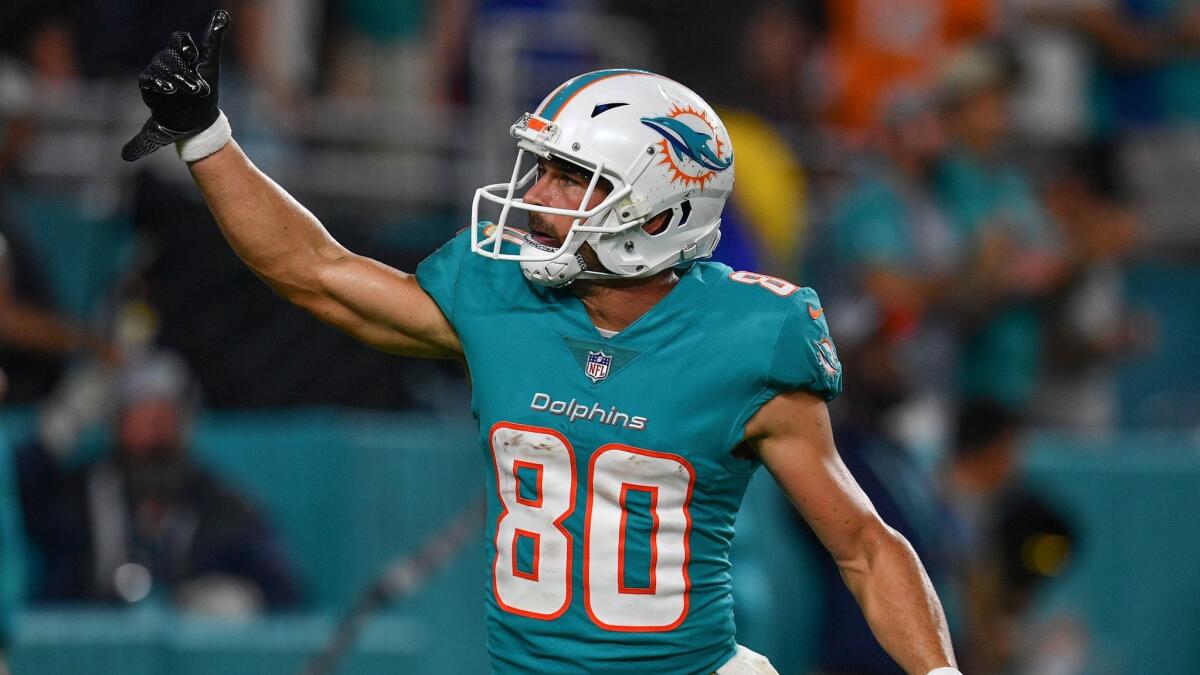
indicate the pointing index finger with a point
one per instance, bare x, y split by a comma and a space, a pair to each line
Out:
210, 45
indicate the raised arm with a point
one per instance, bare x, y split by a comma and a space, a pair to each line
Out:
280, 240
792, 435
287, 247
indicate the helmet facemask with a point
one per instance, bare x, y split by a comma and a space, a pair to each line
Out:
540, 263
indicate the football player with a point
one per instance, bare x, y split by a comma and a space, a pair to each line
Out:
626, 390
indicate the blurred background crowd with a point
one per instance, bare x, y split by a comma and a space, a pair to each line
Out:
996, 199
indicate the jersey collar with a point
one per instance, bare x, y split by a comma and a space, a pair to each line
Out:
665, 319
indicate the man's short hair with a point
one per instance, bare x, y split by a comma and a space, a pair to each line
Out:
160, 375
981, 423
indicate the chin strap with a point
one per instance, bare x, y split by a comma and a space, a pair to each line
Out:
554, 273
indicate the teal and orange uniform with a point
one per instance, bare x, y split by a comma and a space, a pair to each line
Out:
613, 487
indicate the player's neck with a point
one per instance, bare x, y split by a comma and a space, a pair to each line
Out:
613, 305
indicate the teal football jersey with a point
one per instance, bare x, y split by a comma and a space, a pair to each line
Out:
613, 490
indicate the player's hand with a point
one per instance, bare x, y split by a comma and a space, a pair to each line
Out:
180, 88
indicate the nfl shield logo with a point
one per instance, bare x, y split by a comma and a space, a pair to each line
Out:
597, 366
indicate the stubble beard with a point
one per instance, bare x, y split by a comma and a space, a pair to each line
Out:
591, 261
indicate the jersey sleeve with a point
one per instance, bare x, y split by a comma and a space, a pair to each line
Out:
439, 273
804, 356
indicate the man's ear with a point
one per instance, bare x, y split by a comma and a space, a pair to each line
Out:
657, 224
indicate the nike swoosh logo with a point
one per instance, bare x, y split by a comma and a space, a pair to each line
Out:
815, 312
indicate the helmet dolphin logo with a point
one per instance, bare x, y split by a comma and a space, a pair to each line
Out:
688, 142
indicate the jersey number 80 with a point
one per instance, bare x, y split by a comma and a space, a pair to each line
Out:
543, 590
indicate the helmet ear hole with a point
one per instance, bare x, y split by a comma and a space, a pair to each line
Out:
676, 215
659, 224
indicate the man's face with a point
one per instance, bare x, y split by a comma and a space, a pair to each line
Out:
149, 429
562, 185
982, 120
919, 137
998, 461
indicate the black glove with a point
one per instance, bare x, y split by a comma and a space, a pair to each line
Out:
180, 88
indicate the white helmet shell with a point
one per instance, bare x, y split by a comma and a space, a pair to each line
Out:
659, 145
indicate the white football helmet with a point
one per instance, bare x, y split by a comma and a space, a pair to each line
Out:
659, 145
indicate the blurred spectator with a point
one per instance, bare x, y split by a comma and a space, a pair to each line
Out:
763, 105
1148, 58
34, 339
17, 94
1089, 327
43, 37
37, 63
400, 50
777, 46
1003, 540
380, 50
979, 469
448, 68
902, 258
1016, 252
1055, 102
1123, 74
1144, 103
145, 518
877, 47
747, 54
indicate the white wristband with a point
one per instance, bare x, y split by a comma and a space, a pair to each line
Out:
205, 143
945, 670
